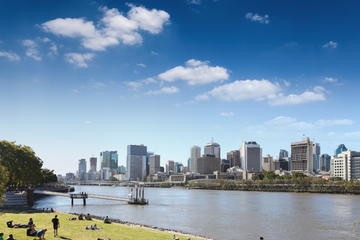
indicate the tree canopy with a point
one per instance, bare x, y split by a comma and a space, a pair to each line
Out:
22, 166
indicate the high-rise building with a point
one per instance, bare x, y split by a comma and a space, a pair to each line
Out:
207, 164
234, 158
82, 169
316, 156
154, 164
325, 162
136, 162
170, 166
178, 167
346, 165
302, 155
267, 162
283, 154
212, 148
109, 159
341, 148
122, 169
93, 164
225, 165
195, 153
148, 162
250, 156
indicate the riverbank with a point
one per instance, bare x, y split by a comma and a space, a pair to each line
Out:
306, 185
75, 230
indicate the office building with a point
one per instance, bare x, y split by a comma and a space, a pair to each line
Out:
250, 156
70, 176
316, 156
267, 162
207, 164
82, 169
302, 156
154, 164
109, 159
324, 163
346, 165
105, 173
225, 165
195, 153
283, 154
93, 164
170, 166
148, 162
122, 169
136, 162
234, 158
341, 148
212, 148
178, 167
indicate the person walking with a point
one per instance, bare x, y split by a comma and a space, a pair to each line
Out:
56, 225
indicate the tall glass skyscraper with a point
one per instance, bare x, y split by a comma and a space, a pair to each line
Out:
109, 159
341, 148
136, 162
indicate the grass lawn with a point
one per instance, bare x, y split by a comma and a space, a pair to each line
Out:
75, 230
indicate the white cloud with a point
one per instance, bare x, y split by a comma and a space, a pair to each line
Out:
330, 44
141, 65
10, 56
195, 72
241, 90
32, 49
87, 122
164, 90
78, 59
254, 17
45, 40
202, 97
194, 2
137, 84
112, 29
352, 134
286, 83
293, 123
330, 80
227, 114
154, 53
54, 49
317, 94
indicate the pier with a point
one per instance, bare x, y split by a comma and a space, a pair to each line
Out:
136, 196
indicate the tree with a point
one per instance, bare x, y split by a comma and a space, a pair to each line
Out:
3, 181
48, 176
21, 163
269, 175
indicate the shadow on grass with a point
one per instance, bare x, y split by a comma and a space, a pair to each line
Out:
61, 237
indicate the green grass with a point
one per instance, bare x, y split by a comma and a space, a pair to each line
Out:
75, 230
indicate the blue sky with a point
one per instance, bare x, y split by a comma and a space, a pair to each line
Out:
80, 77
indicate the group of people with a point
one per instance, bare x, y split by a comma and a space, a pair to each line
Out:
48, 210
83, 217
31, 231
11, 237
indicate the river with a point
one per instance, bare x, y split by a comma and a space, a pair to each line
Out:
228, 215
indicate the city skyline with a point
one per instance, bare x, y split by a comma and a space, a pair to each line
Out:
105, 74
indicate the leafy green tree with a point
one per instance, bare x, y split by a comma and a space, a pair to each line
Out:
3, 181
48, 176
269, 175
21, 163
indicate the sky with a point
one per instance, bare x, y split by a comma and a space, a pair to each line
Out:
81, 77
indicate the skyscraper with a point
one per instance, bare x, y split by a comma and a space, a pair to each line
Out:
136, 162
109, 159
207, 164
283, 154
250, 156
325, 162
267, 162
316, 156
234, 158
170, 166
93, 164
148, 162
341, 148
154, 164
195, 153
212, 148
302, 155
82, 169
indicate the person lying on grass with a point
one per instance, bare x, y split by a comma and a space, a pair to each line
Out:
92, 227
18, 225
103, 239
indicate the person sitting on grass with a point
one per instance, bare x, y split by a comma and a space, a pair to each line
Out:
41, 234
31, 222
10, 225
88, 217
11, 237
92, 227
31, 231
1, 236
81, 217
107, 220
